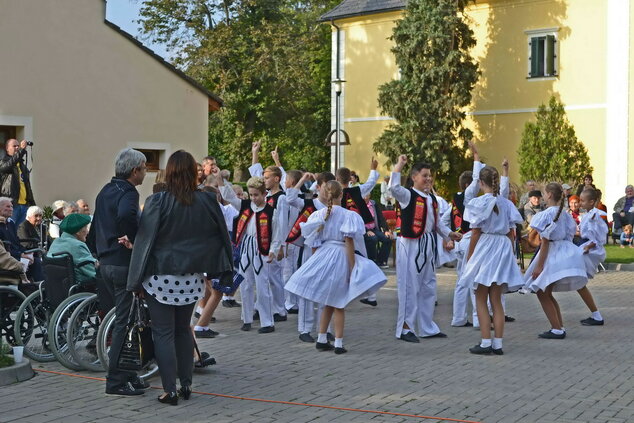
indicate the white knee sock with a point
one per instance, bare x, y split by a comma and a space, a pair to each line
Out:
322, 338
338, 342
497, 343
486, 343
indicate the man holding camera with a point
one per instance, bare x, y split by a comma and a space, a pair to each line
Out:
14, 179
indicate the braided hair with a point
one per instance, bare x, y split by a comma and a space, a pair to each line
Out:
557, 193
490, 177
332, 190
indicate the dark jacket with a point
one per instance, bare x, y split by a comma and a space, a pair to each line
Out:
175, 239
381, 224
9, 233
30, 236
116, 214
10, 177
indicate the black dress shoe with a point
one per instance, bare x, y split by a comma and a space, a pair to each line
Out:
234, 303
477, 349
246, 327
267, 329
466, 325
293, 311
410, 337
550, 335
368, 302
324, 346
124, 390
509, 319
226, 303
185, 392
437, 335
139, 383
171, 398
204, 361
497, 351
205, 333
330, 337
305, 337
591, 322
256, 316
340, 350
279, 318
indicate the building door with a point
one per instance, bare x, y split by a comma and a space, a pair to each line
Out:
7, 133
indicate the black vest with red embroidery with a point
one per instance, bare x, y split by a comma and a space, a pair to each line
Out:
352, 200
458, 224
272, 200
413, 218
296, 231
263, 225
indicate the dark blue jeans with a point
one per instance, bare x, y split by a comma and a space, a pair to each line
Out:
372, 245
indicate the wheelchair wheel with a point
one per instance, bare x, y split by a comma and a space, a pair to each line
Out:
31, 328
81, 334
104, 337
10, 301
58, 326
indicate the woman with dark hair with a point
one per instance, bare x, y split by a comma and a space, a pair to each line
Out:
182, 235
587, 184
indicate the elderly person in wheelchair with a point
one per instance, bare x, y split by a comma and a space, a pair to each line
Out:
74, 229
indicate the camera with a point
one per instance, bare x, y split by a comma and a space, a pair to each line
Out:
29, 143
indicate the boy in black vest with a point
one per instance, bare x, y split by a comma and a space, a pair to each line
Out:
353, 197
416, 252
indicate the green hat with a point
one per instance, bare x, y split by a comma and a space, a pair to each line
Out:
74, 222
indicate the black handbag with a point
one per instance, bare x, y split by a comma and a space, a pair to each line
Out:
138, 347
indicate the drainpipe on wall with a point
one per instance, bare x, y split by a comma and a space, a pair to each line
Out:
338, 89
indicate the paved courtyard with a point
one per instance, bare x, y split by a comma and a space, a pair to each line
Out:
585, 378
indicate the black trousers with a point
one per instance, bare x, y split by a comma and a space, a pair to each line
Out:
620, 221
115, 279
173, 342
371, 244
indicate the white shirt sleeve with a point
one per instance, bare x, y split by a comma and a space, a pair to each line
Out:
474, 187
401, 194
293, 200
276, 242
446, 217
256, 170
368, 185
505, 189
283, 178
282, 217
229, 195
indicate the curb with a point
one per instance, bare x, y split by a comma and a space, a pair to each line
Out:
17, 373
626, 267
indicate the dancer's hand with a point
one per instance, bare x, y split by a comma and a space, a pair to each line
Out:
537, 271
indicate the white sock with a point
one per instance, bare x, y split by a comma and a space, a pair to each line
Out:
558, 331
199, 310
486, 343
338, 342
230, 297
405, 332
225, 298
596, 315
321, 338
497, 343
200, 328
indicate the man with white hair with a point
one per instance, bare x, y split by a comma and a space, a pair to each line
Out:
58, 215
624, 210
112, 233
9, 236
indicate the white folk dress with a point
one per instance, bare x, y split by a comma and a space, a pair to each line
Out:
564, 265
594, 228
323, 278
493, 260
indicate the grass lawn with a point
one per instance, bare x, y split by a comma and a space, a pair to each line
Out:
613, 254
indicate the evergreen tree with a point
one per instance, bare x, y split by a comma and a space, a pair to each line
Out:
437, 73
549, 150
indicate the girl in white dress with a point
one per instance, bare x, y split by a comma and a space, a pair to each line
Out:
595, 230
491, 269
559, 264
334, 275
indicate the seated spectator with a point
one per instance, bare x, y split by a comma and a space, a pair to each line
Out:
533, 206
626, 237
83, 206
574, 210
587, 184
58, 215
30, 231
387, 200
377, 232
73, 241
10, 264
9, 235
601, 206
354, 179
530, 187
71, 208
624, 210
567, 194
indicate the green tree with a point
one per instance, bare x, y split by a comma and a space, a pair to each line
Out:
268, 60
437, 73
549, 150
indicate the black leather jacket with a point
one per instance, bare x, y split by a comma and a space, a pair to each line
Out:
9, 177
175, 239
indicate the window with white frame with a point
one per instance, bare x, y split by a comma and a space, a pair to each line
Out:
543, 53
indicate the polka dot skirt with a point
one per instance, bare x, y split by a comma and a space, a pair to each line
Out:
176, 289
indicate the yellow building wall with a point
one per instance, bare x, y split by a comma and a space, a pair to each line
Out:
504, 98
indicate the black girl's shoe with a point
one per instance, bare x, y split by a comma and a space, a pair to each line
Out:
171, 398
340, 350
477, 349
185, 392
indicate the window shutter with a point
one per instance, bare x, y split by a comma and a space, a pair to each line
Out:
534, 59
550, 55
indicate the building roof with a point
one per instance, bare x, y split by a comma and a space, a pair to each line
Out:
215, 102
351, 8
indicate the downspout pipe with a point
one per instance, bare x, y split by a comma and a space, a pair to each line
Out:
338, 95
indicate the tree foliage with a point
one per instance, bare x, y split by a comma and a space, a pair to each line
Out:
549, 149
270, 63
437, 73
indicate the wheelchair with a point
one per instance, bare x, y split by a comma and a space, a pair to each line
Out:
11, 298
37, 312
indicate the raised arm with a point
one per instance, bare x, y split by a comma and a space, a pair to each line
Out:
226, 191
369, 185
292, 194
505, 188
473, 189
401, 194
